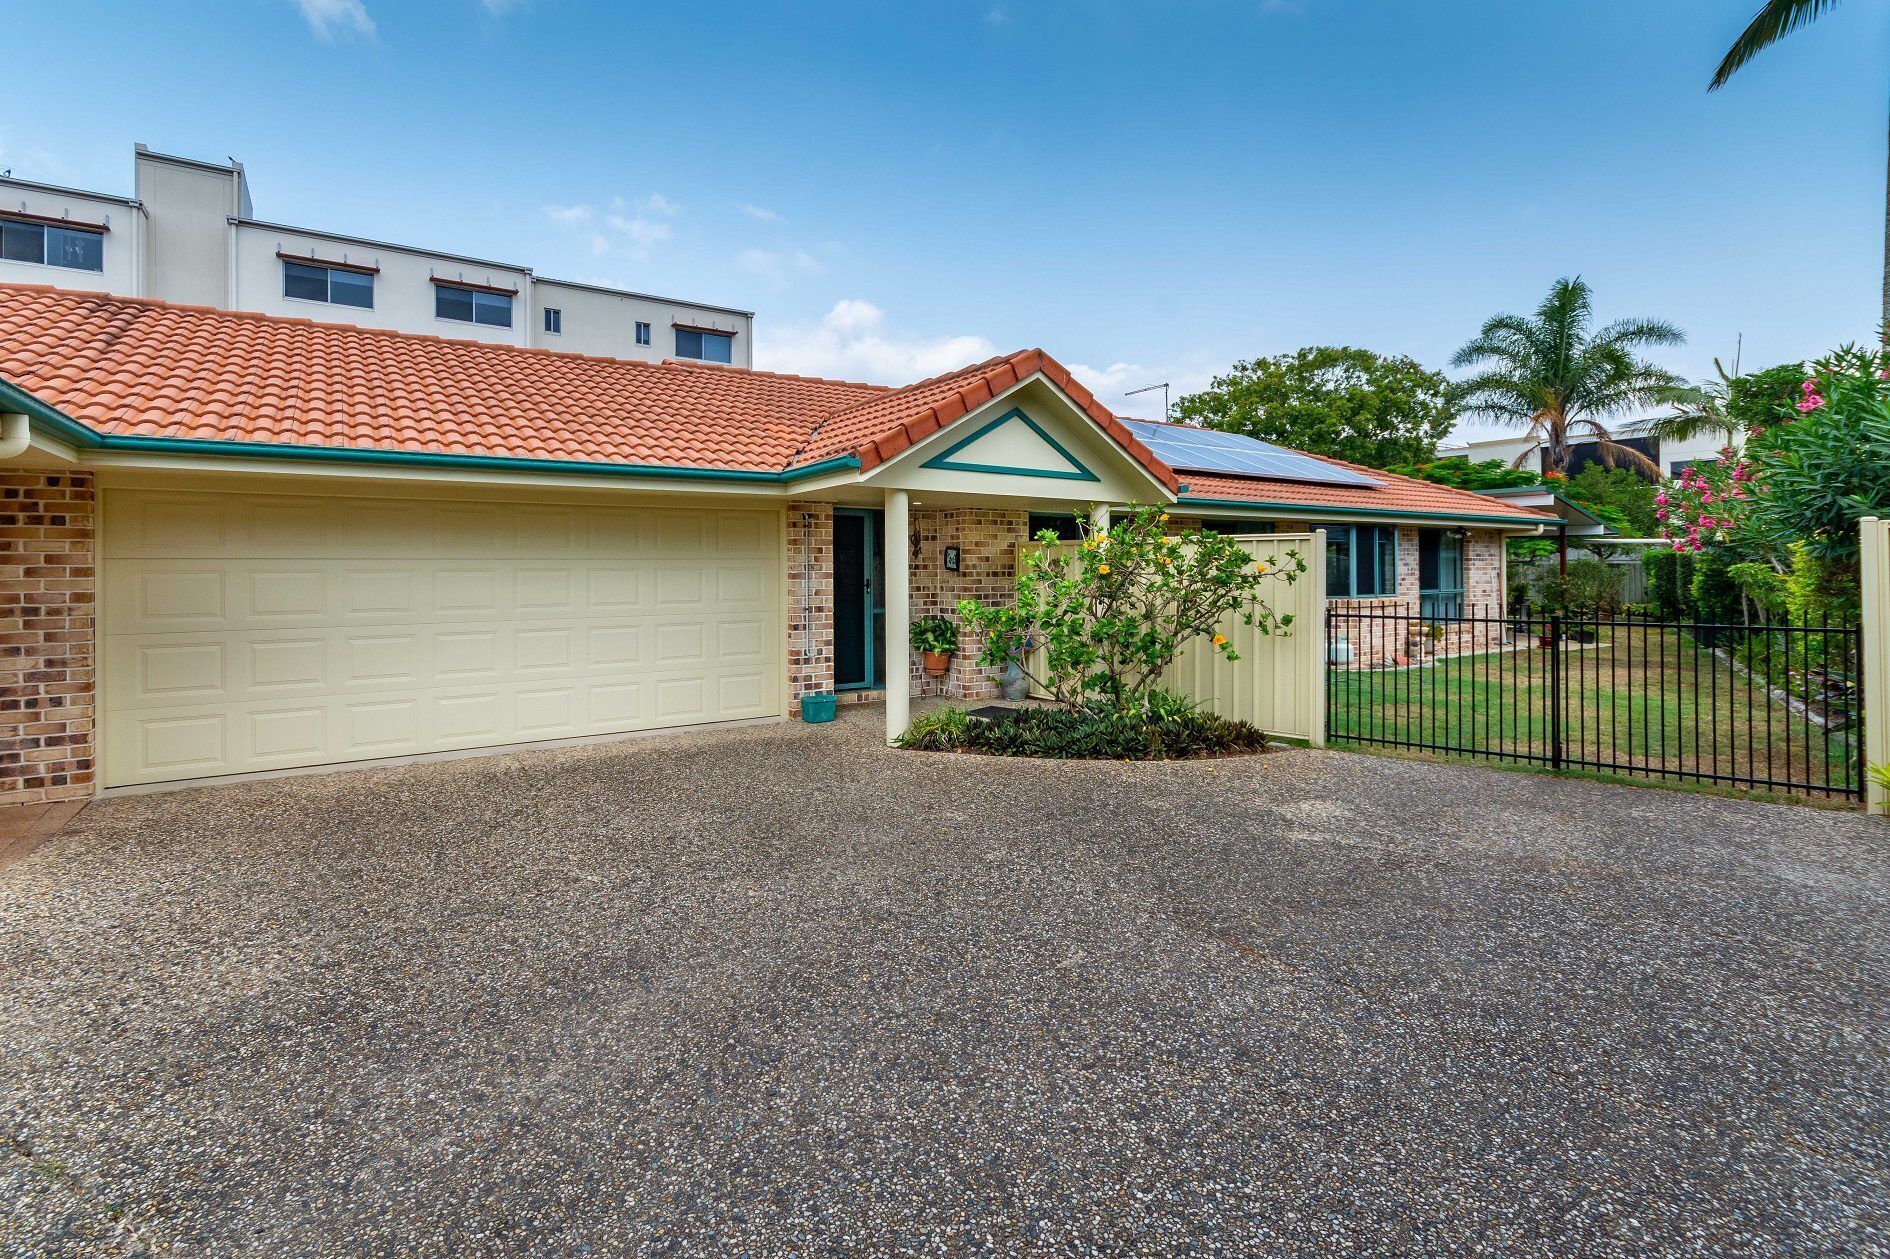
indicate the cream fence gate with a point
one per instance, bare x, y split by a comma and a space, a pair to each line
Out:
1279, 682
1875, 561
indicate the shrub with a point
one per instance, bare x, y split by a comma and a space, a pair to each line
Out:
1669, 578
1714, 594
1167, 729
1591, 585
935, 634
1112, 614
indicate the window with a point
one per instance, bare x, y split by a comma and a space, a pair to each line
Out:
1677, 466
1237, 528
1440, 573
554, 319
643, 333
710, 347
1067, 530
1361, 561
52, 246
472, 306
327, 284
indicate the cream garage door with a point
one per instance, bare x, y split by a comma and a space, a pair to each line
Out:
257, 632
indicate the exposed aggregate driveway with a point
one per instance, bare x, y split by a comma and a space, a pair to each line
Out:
780, 990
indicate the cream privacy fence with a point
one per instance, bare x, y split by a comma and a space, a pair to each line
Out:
1876, 680
1279, 682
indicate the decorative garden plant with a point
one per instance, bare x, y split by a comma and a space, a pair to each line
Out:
1112, 613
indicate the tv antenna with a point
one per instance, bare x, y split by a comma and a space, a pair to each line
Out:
1146, 388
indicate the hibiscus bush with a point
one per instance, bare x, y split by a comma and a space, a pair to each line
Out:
1112, 613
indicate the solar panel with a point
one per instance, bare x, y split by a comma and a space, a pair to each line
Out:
1207, 450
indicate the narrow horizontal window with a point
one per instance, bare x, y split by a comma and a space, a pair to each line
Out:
710, 347
52, 246
310, 283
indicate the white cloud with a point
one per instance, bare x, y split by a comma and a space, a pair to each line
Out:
569, 215
655, 203
997, 16
333, 19
642, 232
852, 342
617, 231
780, 266
499, 8
1111, 386
761, 212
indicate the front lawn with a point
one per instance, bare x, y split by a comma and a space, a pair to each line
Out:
1647, 699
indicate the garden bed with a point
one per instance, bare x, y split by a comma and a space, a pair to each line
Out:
1171, 731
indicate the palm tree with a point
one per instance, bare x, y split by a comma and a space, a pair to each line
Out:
1698, 410
1776, 20
1549, 373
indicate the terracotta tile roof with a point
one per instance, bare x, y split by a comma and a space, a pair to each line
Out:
144, 368
147, 368
151, 369
1397, 494
879, 428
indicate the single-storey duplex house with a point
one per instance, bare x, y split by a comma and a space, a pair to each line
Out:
235, 543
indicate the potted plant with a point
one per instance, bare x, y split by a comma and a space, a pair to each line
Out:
935, 638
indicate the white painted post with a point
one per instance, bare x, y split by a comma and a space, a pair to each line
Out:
898, 616
1099, 518
1874, 535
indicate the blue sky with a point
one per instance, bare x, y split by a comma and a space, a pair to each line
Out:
1148, 191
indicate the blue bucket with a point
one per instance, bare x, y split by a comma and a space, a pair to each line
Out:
818, 708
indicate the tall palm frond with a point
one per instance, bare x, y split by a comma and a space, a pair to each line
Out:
1774, 22
1557, 377
1697, 411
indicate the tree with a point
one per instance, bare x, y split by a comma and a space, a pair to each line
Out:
1338, 401
1552, 375
1805, 479
1112, 614
1460, 473
1774, 21
1626, 494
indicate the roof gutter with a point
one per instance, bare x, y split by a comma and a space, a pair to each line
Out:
1314, 512
86, 438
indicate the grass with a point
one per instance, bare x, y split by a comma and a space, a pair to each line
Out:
1649, 700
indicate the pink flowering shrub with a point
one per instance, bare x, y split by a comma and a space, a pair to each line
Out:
1807, 475
1706, 504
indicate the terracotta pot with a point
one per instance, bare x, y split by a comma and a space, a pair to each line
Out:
936, 663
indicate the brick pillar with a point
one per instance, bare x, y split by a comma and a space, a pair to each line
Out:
810, 600
48, 594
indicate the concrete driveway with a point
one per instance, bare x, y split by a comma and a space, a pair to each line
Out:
778, 989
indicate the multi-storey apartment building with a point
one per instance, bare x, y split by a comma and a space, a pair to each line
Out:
190, 234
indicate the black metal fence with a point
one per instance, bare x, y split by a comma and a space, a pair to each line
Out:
1760, 707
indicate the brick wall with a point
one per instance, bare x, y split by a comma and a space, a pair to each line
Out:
987, 546
987, 542
1378, 633
810, 600
48, 594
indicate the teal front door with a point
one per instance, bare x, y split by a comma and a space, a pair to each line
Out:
859, 599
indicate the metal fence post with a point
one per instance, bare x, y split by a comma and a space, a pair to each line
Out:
1555, 690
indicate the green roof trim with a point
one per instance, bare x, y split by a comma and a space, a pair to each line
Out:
13, 398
